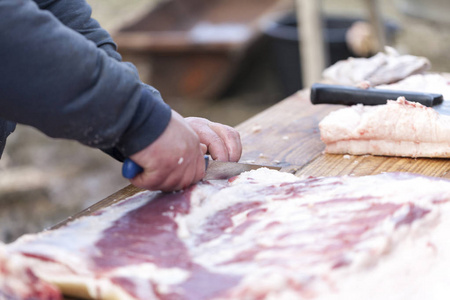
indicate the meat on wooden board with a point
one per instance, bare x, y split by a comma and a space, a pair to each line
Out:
399, 128
262, 235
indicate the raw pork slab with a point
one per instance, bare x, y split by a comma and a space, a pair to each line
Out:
263, 235
399, 128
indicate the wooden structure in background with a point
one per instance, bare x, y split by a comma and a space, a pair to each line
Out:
312, 51
192, 48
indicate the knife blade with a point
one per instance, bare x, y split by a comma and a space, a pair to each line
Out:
348, 95
224, 170
214, 169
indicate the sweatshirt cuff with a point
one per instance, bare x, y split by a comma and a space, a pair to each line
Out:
149, 122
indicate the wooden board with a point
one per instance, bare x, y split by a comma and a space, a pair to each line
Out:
287, 135
124, 193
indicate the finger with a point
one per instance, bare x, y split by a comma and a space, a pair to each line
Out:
214, 143
231, 140
204, 148
217, 149
200, 169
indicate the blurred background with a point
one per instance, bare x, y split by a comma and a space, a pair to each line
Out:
222, 60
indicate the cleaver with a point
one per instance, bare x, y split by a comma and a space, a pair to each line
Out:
214, 169
348, 95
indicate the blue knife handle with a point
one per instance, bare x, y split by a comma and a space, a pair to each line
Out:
130, 169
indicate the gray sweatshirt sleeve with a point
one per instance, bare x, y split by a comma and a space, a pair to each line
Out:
58, 80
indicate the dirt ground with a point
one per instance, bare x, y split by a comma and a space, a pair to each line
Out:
43, 180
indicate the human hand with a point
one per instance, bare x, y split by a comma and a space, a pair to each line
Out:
172, 162
223, 142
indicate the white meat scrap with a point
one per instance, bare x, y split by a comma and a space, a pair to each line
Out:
18, 281
399, 128
426, 83
354, 70
379, 69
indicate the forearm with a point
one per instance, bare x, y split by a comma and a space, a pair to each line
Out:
56, 80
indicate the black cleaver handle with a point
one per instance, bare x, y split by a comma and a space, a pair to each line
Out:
346, 95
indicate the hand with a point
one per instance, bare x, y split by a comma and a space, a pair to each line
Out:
223, 142
172, 162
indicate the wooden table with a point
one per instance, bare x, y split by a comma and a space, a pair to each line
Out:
287, 134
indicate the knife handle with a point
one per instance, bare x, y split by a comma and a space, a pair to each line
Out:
130, 169
346, 95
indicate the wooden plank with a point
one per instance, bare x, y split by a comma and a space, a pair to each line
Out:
286, 134
122, 194
338, 165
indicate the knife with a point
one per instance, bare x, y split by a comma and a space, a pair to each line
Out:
347, 95
214, 169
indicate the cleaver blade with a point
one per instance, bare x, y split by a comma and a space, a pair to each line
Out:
224, 170
347, 95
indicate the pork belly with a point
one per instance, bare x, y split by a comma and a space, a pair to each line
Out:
263, 235
399, 128
18, 280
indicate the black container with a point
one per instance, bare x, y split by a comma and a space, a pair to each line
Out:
284, 46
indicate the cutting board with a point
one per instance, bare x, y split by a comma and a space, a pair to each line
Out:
287, 135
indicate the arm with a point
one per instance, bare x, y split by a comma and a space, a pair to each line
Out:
56, 80
76, 14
